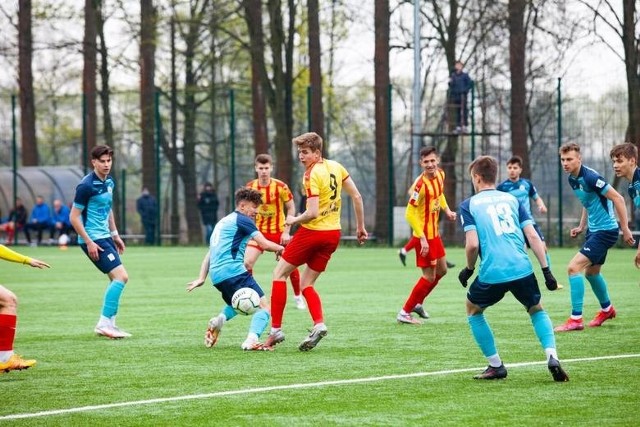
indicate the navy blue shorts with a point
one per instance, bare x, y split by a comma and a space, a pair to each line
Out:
525, 290
597, 244
109, 257
537, 228
229, 287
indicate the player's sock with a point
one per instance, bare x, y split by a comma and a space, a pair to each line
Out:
314, 303
228, 312
259, 322
551, 352
599, 287
295, 282
278, 301
483, 335
112, 298
7, 335
544, 329
577, 295
430, 287
403, 251
416, 295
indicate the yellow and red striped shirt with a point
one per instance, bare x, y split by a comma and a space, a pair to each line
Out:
271, 213
425, 202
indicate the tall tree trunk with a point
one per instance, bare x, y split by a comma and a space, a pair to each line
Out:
25, 82
280, 97
89, 54
517, 47
449, 154
253, 17
315, 72
195, 26
147, 94
631, 52
105, 96
382, 105
105, 89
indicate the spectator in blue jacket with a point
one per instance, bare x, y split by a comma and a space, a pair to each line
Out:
39, 220
459, 86
60, 223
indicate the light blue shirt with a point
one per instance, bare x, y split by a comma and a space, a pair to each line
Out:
94, 198
227, 245
498, 218
590, 188
523, 190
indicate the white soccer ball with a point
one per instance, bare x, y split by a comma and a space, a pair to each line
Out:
245, 301
63, 240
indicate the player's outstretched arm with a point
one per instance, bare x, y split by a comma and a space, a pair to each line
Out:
538, 249
204, 270
13, 256
358, 207
266, 244
621, 211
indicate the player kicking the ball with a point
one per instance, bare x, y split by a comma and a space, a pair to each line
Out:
316, 239
225, 266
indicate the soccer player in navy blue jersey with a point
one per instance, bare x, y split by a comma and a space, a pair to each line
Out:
224, 263
495, 224
599, 201
524, 190
92, 218
625, 164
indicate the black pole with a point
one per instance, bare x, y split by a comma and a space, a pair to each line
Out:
157, 161
391, 174
560, 237
14, 158
232, 141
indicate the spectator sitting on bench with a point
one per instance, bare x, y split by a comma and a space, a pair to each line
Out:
39, 220
15, 221
60, 223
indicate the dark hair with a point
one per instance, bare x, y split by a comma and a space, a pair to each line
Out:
100, 150
626, 150
517, 160
249, 195
486, 167
425, 151
263, 159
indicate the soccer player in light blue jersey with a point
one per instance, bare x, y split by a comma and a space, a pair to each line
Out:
495, 225
625, 164
599, 200
524, 190
92, 218
224, 263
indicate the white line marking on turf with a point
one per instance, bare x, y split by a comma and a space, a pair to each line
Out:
290, 387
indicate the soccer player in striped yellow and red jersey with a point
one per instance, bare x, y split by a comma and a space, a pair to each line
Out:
423, 213
277, 203
316, 239
9, 361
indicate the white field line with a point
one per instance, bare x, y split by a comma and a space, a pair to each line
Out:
291, 387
